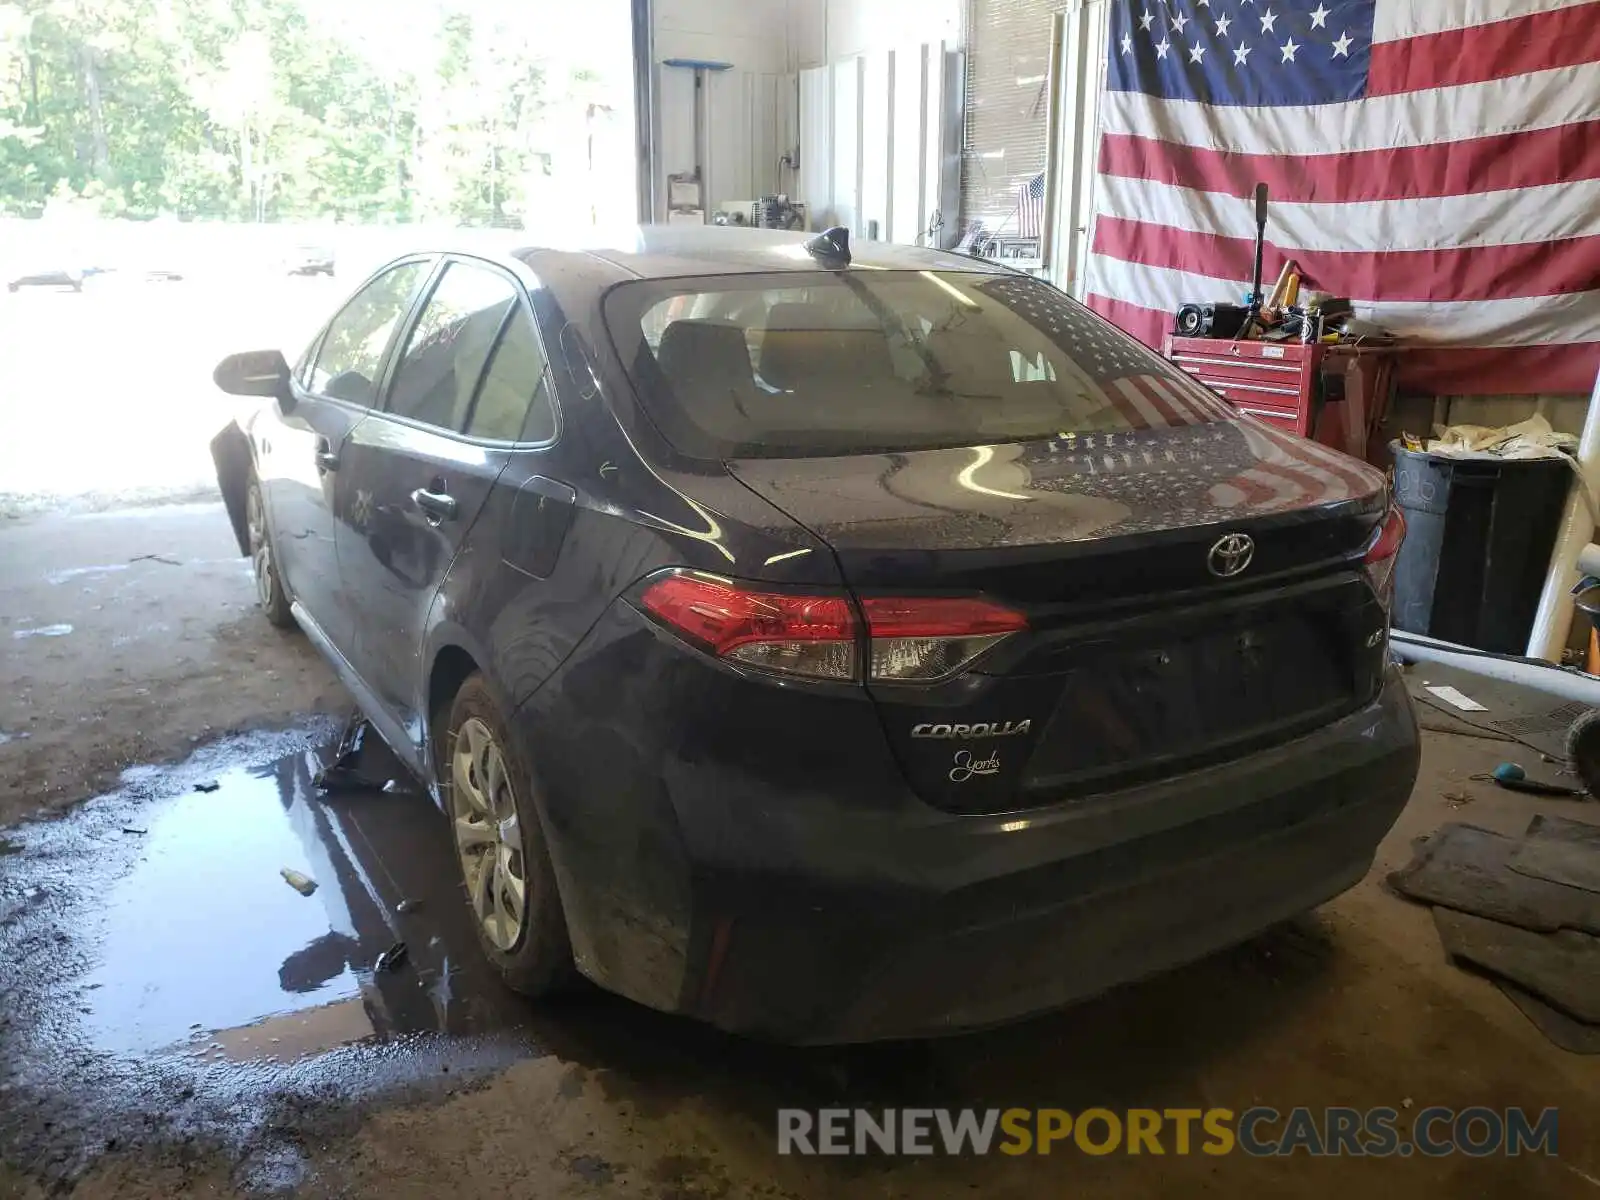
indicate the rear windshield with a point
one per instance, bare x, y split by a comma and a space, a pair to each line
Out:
862, 361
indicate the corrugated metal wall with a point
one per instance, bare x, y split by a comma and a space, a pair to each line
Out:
1008, 59
878, 138
752, 123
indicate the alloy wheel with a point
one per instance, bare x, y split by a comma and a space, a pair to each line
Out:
260, 546
488, 834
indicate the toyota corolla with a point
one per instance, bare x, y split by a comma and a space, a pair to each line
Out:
830, 643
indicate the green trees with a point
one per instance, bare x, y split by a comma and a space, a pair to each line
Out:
256, 110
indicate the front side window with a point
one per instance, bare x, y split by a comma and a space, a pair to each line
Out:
351, 354
445, 353
859, 362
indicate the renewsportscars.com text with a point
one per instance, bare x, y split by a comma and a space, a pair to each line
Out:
1432, 1131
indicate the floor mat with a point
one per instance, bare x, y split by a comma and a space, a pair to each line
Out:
1467, 868
1562, 968
1560, 851
1562, 1030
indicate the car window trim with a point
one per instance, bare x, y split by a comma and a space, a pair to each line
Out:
483, 371
545, 383
389, 346
381, 409
402, 337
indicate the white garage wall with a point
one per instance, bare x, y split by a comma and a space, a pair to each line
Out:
877, 142
752, 107
769, 37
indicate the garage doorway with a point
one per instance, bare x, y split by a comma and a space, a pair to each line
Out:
188, 180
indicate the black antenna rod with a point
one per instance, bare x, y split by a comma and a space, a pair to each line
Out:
1253, 318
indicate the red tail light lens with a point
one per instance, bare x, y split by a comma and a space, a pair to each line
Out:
912, 640
799, 635
1381, 554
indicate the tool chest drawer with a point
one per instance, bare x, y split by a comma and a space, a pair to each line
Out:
1270, 380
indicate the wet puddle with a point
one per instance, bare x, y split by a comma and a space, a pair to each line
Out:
155, 959
204, 932
203, 946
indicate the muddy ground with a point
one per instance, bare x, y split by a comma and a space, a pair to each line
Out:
145, 934
129, 636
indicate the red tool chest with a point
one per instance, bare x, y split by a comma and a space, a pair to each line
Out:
1336, 393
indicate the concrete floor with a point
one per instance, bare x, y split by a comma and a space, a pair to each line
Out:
126, 637
140, 934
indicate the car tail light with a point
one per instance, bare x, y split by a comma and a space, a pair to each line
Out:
1381, 554
911, 640
795, 634
927, 638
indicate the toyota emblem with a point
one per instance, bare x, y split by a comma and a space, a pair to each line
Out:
1230, 554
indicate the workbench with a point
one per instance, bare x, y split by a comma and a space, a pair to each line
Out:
1334, 392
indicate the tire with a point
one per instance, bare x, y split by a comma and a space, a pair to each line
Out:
1583, 749
500, 845
270, 592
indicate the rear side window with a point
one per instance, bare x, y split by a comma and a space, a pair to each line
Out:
351, 354
513, 404
862, 362
449, 345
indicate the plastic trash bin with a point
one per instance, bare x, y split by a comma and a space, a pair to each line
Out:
1478, 537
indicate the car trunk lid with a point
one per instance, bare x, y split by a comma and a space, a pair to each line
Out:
1143, 657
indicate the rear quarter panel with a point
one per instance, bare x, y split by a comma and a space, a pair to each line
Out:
636, 508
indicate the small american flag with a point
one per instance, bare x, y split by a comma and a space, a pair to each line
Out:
1030, 207
1437, 162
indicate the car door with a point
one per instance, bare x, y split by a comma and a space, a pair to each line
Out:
299, 456
467, 389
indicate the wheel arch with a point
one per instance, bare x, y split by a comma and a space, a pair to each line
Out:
452, 666
452, 655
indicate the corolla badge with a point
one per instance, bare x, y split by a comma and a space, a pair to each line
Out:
966, 766
978, 729
1230, 554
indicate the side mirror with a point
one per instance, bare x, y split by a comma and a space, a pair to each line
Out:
255, 373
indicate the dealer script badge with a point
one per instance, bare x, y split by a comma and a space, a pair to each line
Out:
966, 766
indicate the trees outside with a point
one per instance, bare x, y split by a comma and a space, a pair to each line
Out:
369, 111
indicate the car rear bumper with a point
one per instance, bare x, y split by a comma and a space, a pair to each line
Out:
808, 917
819, 976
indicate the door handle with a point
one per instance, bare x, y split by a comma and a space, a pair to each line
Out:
438, 505
327, 460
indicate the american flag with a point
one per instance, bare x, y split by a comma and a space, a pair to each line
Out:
1030, 207
1438, 162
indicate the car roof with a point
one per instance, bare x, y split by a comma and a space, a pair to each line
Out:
668, 251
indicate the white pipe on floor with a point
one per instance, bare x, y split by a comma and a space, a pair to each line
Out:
1543, 677
1553, 619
